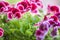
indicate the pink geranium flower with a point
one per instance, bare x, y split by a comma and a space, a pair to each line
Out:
53, 9
29, 5
23, 6
37, 2
58, 15
13, 13
3, 5
1, 32
33, 8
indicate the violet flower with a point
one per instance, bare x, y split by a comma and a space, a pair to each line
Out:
47, 24
54, 32
39, 35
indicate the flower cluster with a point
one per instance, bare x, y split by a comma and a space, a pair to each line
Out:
16, 11
50, 22
31, 5
47, 24
55, 10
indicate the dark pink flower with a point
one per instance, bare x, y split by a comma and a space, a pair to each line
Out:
54, 18
9, 15
53, 8
39, 33
17, 15
35, 5
13, 10
44, 26
33, 8
51, 22
21, 9
13, 13
2, 9
37, 2
23, 6
45, 18
58, 15
1, 32
54, 21
3, 5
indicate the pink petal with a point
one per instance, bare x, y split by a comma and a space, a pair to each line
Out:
34, 6
9, 15
1, 30
1, 34
18, 15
